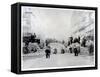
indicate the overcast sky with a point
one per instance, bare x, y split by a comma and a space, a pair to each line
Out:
49, 22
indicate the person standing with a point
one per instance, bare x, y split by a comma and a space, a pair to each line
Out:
75, 51
47, 52
84, 42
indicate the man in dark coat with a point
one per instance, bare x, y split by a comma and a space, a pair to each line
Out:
48, 51
75, 51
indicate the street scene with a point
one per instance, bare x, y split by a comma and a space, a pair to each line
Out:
57, 38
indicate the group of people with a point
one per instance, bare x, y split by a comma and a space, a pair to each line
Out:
73, 46
80, 43
74, 49
48, 51
71, 41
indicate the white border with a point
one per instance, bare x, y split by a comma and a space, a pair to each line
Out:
52, 67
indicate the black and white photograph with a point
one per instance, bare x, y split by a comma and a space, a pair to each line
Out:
53, 38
